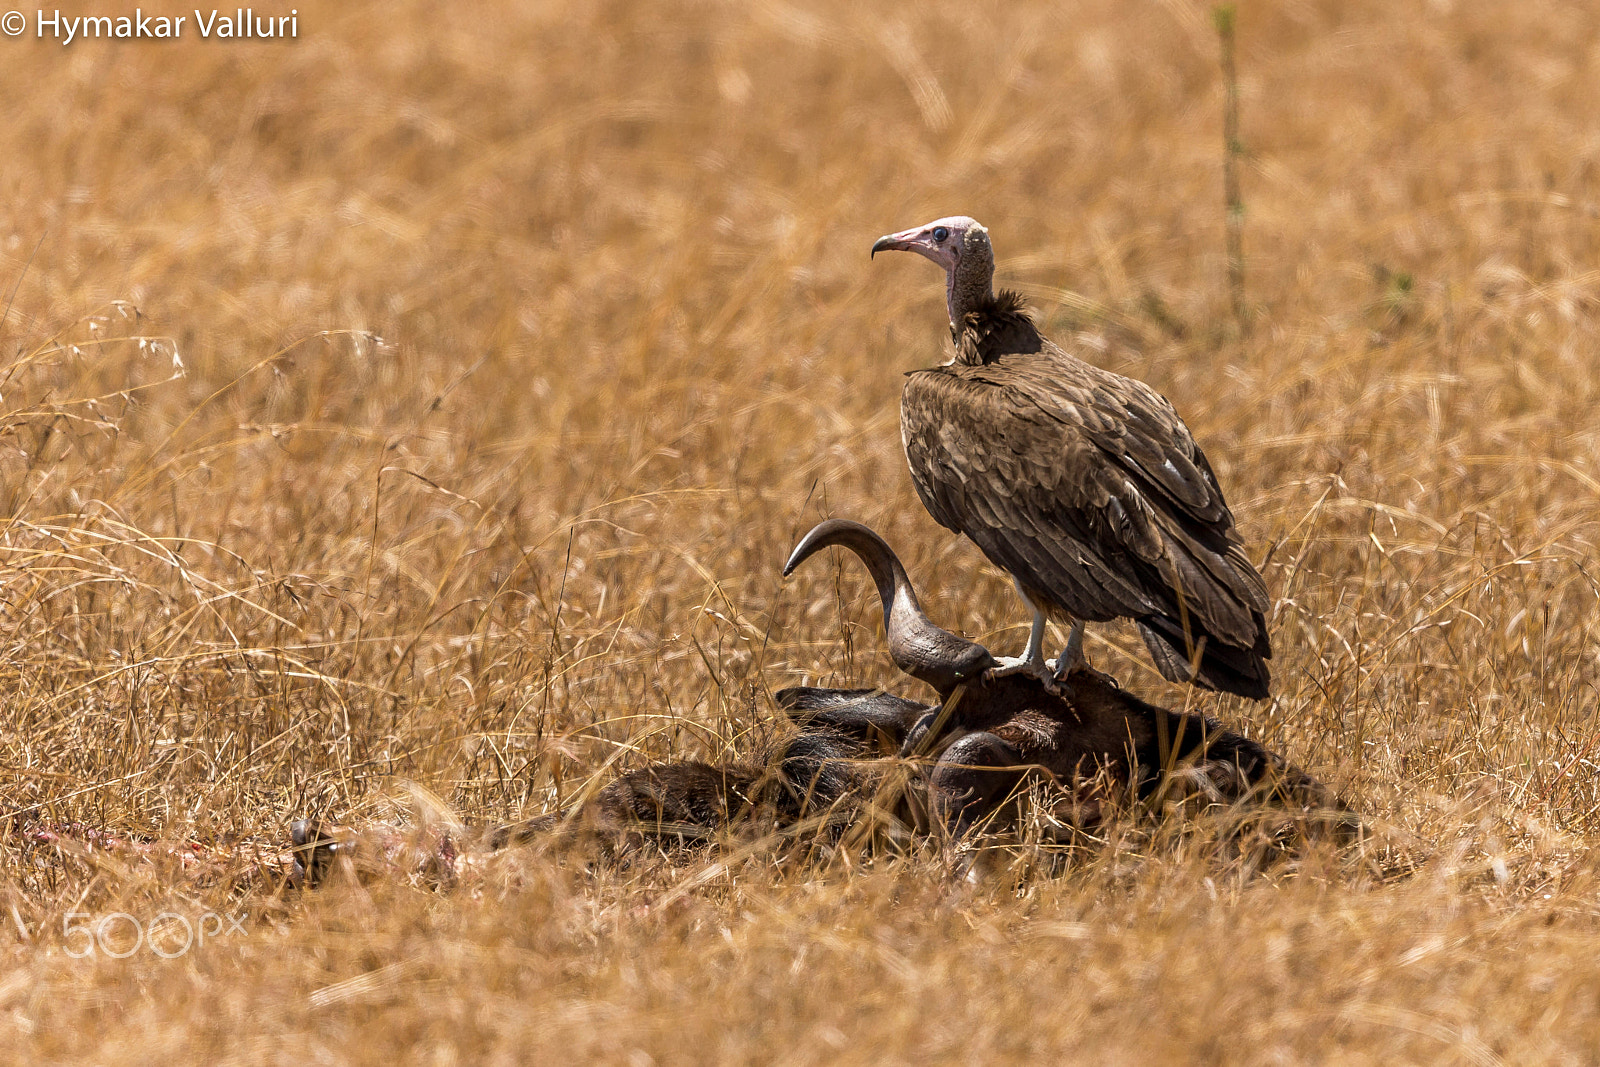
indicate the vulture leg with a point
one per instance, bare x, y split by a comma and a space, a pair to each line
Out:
1072, 656
1032, 659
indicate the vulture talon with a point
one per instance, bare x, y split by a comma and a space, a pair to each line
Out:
1039, 670
1072, 657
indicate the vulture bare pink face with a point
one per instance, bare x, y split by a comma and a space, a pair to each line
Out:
940, 240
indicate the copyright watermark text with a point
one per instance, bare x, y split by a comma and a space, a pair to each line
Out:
239, 24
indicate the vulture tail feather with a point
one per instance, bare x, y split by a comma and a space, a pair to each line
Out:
1222, 668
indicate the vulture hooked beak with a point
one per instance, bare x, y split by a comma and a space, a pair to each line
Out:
917, 646
906, 240
892, 242
932, 241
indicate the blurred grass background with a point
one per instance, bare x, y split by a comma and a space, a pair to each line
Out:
436, 396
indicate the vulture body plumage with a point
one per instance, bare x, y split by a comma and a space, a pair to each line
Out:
1083, 485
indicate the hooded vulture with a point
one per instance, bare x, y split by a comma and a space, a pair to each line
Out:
1084, 486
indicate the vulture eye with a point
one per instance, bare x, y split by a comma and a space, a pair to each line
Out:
940, 233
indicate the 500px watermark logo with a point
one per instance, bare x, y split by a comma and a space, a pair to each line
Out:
168, 935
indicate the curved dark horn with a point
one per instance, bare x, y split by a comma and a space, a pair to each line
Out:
918, 647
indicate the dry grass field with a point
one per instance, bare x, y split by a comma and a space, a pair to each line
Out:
411, 419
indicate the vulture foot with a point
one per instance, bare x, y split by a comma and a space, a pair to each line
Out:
1072, 657
1035, 668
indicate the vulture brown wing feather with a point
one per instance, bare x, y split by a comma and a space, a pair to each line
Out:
1131, 422
1138, 430
1045, 534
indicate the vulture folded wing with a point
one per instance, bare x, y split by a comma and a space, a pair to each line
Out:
1088, 488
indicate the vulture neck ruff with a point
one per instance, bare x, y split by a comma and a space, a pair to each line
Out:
996, 326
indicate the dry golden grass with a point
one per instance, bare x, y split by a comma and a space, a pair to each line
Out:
519, 343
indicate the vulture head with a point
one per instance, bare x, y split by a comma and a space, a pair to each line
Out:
961, 246
917, 646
